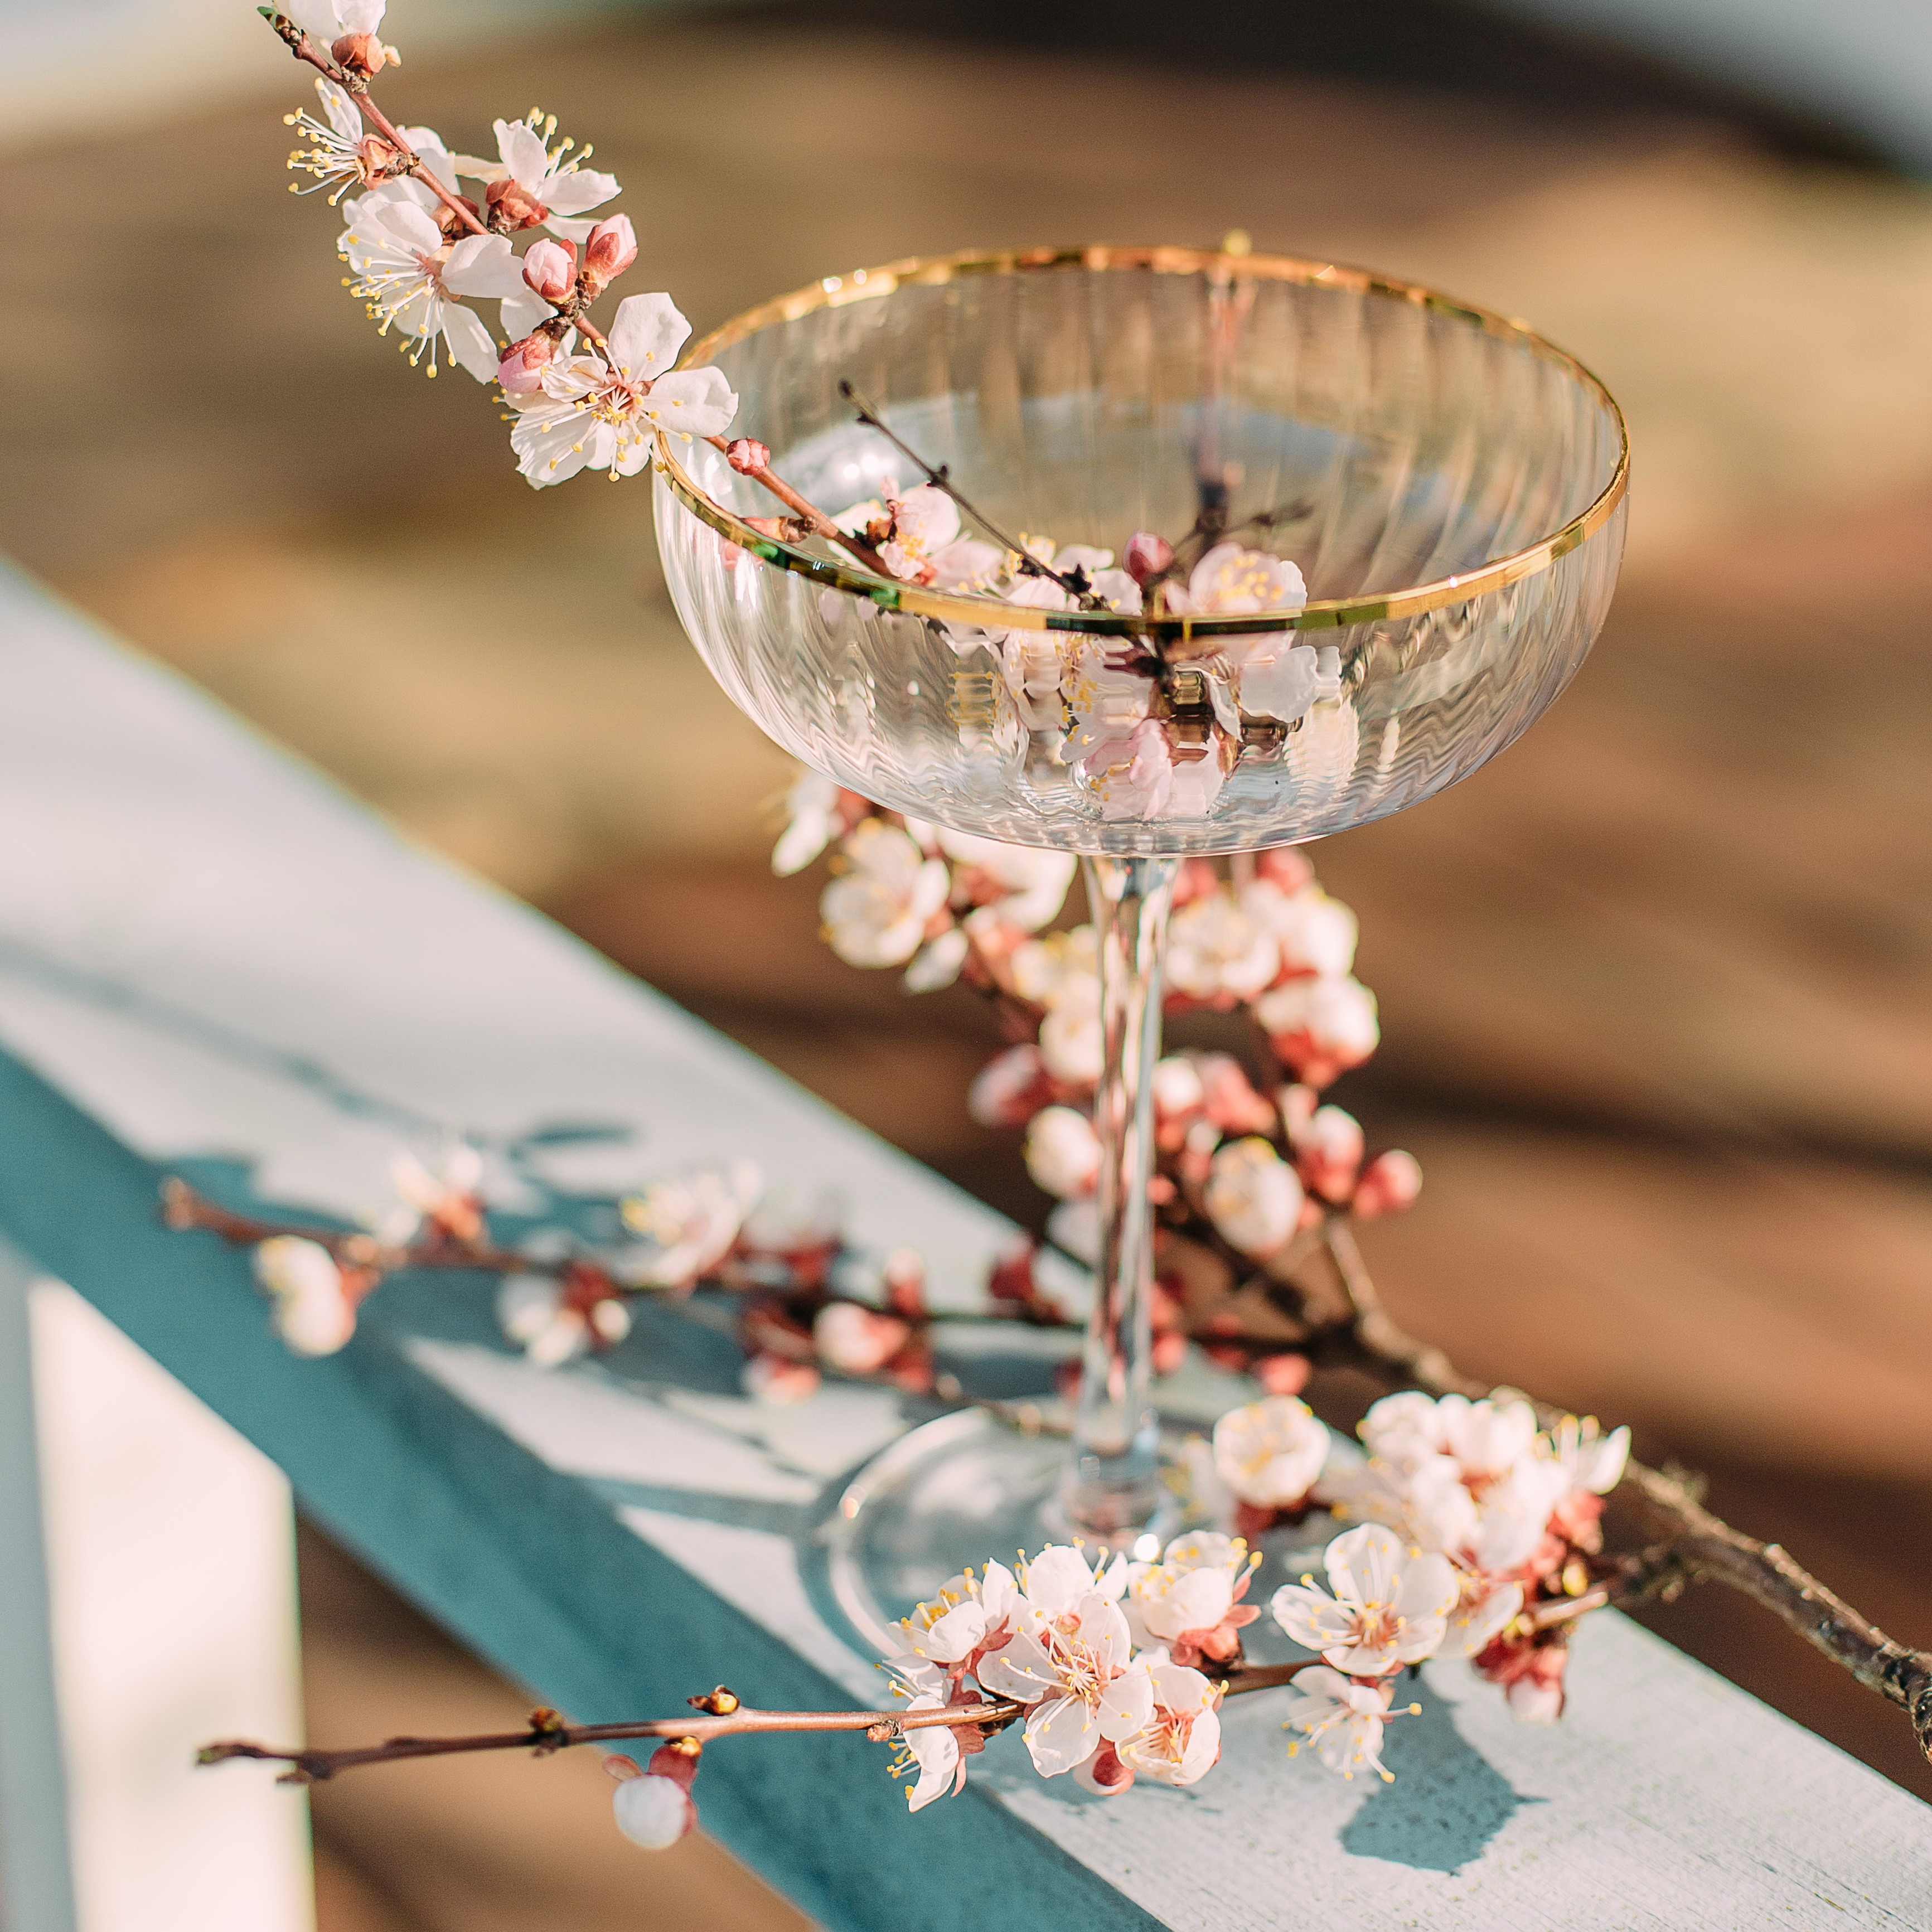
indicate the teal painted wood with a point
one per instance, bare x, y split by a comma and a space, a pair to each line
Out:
210, 961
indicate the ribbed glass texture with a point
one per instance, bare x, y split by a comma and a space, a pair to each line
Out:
1404, 442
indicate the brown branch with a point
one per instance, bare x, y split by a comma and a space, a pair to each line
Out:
546, 1733
1698, 1544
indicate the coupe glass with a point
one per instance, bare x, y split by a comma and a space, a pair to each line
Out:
1451, 486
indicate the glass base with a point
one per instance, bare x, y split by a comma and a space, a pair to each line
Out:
965, 1488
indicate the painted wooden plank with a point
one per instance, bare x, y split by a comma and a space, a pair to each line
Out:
36, 1874
210, 961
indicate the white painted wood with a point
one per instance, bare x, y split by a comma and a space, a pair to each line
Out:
36, 1882
171, 1555
215, 954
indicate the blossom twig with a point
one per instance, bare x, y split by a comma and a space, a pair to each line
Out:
724, 1717
1699, 1544
940, 478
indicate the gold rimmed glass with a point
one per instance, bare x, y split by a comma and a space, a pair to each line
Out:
1452, 488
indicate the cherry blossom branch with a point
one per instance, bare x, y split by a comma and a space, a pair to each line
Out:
546, 1733
1700, 1544
303, 46
571, 311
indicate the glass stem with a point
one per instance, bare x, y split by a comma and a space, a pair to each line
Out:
1113, 1489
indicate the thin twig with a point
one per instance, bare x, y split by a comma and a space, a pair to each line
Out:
940, 477
547, 1732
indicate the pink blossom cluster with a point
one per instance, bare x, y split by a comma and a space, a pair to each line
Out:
427, 258
1506, 1515
1143, 746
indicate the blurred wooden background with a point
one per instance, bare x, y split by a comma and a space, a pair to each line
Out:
1655, 989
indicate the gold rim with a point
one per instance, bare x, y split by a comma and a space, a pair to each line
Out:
869, 284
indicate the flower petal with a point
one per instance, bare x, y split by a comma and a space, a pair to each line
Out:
470, 344
523, 153
1061, 1735
572, 194
483, 265
645, 335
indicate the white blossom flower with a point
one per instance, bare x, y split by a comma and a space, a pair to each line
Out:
1271, 1453
875, 912
1463, 1477
342, 153
549, 174
652, 1811
1328, 1152
1253, 1197
446, 1196
313, 1312
1072, 1041
1216, 950
1032, 883
856, 1341
1232, 581
937, 963
1280, 678
924, 521
599, 415
1177, 1087
688, 1225
1322, 1027
1057, 965
969, 1612
410, 275
1590, 1460
1181, 1742
532, 1312
1390, 1606
933, 1751
1191, 1593
811, 822
1316, 933
1063, 1153
1343, 1720
1075, 1666
1484, 1609
329, 20
1115, 748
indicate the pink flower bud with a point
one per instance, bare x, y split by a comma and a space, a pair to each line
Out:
359, 53
856, 1341
1146, 556
550, 269
520, 371
1281, 1374
611, 249
1284, 867
513, 206
747, 455
1103, 1774
1228, 1097
1328, 1151
1390, 1183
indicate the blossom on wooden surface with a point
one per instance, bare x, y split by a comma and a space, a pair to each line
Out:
1342, 1720
1189, 1601
1271, 1454
1390, 1605
314, 1307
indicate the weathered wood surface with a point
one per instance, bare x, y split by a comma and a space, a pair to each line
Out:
211, 961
